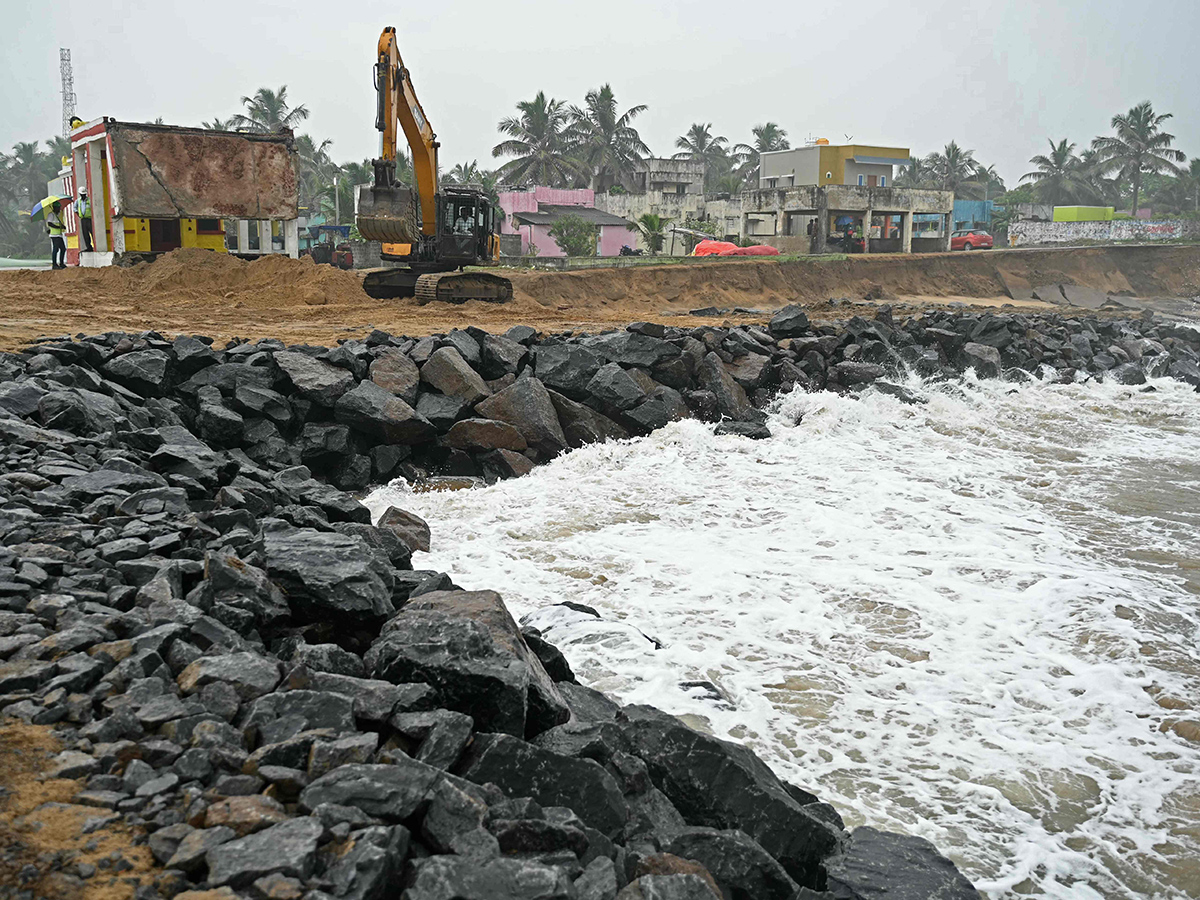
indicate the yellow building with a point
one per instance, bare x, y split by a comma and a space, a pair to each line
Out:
824, 164
161, 235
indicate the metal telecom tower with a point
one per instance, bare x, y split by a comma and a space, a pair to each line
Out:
68, 89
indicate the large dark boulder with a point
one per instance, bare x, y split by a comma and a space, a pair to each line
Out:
314, 379
662, 406
526, 405
466, 646
631, 349
852, 373
732, 402
521, 769
500, 356
614, 387
566, 368
392, 792
448, 373
738, 862
298, 485
791, 321
582, 425
289, 848
382, 415
983, 359
259, 401
371, 863
878, 865
395, 372
328, 575
441, 410
146, 372
477, 435
192, 355
721, 785
183, 454
460, 878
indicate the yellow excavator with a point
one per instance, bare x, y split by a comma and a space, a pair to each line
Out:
432, 232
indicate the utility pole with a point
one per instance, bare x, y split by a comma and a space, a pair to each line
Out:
68, 89
337, 202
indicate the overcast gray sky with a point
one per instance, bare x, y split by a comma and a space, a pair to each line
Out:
1000, 78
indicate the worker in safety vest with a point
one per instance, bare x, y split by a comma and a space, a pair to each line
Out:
58, 244
83, 209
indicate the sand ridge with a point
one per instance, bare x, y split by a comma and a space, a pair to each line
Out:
194, 291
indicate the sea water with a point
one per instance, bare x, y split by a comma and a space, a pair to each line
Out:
972, 619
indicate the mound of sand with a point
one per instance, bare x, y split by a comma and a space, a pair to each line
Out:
194, 277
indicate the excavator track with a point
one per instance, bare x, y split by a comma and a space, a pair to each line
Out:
459, 287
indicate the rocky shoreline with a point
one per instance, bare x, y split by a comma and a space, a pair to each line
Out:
250, 675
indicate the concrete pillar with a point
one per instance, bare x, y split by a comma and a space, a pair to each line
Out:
100, 219
906, 223
264, 236
822, 222
118, 235
291, 238
243, 236
867, 216
946, 223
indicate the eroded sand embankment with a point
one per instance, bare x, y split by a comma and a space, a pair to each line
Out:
197, 292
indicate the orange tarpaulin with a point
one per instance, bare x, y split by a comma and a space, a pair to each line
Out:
712, 248
756, 250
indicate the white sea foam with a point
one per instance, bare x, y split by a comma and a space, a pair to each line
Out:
949, 620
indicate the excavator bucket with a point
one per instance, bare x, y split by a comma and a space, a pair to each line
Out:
387, 214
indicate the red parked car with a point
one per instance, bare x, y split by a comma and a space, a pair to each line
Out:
970, 240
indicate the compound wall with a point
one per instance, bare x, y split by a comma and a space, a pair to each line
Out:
1024, 234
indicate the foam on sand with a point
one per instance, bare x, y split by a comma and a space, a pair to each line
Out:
965, 620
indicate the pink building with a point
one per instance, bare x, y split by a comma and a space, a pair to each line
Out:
532, 213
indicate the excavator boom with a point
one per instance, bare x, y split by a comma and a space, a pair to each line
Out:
388, 211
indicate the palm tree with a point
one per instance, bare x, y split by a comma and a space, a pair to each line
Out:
913, 174
653, 229
768, 138
465, 173
349, 176
1140, 147
729, 183
219, 124
954, 169
1096, 187
538, 140
315, 168
268, 112
1058, 179
606, 140
26, 171
700, 145
989, 177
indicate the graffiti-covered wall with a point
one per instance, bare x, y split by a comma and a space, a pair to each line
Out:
1023, 234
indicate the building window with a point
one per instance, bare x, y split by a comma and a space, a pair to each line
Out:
209, 226
861, 180
883, 181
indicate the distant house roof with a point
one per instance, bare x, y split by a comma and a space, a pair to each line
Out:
548, 214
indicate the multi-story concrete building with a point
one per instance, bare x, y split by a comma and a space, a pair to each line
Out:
812, 196
823, 164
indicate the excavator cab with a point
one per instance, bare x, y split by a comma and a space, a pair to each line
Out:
467, 224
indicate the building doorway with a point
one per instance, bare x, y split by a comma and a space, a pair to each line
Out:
165, 235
